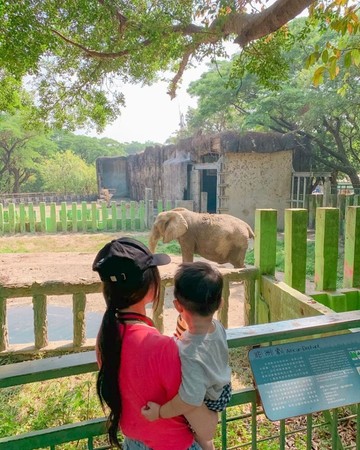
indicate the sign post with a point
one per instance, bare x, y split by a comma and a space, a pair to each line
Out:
307, 376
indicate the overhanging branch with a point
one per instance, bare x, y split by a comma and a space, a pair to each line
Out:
267, 21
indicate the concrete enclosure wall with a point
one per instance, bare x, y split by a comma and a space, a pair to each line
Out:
145, 170
175, 175
256, 181
112, 174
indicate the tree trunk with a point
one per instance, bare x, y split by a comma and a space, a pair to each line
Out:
355, 181
16, 185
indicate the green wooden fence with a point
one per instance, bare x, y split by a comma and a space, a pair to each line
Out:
293, 298
74, 217
79, 217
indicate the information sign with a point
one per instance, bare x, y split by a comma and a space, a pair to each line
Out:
307, 376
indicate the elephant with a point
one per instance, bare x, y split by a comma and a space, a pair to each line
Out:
221, 238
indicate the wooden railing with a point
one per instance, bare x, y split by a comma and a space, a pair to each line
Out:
47, 197
79, 291
292, 297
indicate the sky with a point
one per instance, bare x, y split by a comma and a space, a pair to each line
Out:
150, 114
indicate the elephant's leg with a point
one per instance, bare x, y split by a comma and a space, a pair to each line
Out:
187, 250
187, 256
237, 257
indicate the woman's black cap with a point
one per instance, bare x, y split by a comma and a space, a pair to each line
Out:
125, 259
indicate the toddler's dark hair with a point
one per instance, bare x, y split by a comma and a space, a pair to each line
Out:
198, 287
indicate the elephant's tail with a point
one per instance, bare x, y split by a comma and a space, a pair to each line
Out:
251, 233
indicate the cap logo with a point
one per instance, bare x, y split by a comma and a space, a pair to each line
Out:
123, 276
113, 278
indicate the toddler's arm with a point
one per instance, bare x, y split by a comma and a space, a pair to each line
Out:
175, 407
203, 422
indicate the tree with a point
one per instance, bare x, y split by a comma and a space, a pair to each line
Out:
219, 106
136, 147
20, 152
75, 56
87, 148
327, 124
12, 96
66, 173
325, 117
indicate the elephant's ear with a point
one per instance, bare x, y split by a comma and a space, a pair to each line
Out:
174, 227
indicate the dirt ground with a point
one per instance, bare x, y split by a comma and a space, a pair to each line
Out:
28, 268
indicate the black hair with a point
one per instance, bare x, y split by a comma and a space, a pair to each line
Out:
198, 287
110, 342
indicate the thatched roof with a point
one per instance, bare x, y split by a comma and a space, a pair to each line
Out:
232, 142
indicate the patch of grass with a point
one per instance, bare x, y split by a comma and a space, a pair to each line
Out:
88, 243
72, 399
239, 431
47, 404
173, 248
239, 363
19, 249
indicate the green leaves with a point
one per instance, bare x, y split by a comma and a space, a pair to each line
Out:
355, 56
20, 150
75, 56
67, 173
319, 76
339, 19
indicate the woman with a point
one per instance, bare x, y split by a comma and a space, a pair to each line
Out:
136, 362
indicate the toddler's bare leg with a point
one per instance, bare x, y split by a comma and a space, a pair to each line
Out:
205, 445
204, 423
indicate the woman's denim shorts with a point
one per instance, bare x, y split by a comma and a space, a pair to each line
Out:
131, 444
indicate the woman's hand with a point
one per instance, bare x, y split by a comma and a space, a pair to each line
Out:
151, 411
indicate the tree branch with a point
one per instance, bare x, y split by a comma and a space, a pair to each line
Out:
182, 66
342, 164
120, 18
247, 27
255, 26
334, 131
94, 53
